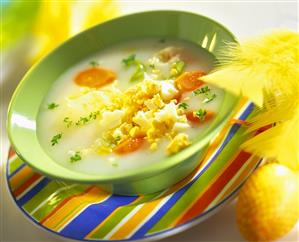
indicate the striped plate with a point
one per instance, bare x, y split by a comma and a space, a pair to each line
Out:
85, 212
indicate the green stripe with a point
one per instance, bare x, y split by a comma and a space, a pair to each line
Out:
202, 182
41, 196
50, 205
118, 215
15, 164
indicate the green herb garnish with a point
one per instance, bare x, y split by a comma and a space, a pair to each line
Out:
183, 105
177, 68
68, 122
94, 63
54, 140
209, 97
75, 157
201, 114
162, 40
130, 60
201, 90
117, 138
152, 66
139, 73
85, 120
52, 105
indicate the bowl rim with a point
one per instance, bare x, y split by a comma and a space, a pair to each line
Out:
139, 173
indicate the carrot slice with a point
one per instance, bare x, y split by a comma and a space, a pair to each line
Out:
189, 81
95, 77
129, 145
196, 120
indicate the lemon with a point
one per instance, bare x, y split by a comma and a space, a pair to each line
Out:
268, 205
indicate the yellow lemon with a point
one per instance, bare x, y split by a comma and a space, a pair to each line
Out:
268, 205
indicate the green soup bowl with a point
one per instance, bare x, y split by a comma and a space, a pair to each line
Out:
26, 101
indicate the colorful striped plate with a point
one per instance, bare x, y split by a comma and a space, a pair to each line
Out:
85, 212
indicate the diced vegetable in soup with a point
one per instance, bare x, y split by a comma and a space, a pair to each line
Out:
128, 106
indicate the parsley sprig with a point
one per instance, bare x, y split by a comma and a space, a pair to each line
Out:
87, 119
75, 157
130, 60
68, 122
55, 139
94, 63
52, 105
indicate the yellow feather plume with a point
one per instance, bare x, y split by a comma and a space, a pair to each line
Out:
266, 70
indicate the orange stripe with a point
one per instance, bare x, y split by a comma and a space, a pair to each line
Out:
20, 177
128, 227
214, 179
210, 194
210, 151
26, 184
11, 153
64, 202
67, 211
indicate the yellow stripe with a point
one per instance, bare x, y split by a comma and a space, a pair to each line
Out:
19, 178
72, 207
128, 227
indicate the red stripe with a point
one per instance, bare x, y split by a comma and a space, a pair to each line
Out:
64, 202
27, 184
209, 195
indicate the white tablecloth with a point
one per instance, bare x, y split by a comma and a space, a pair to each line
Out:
243, 18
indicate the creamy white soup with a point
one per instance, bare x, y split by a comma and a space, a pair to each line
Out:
128, 106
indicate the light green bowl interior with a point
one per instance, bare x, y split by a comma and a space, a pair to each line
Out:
26, 101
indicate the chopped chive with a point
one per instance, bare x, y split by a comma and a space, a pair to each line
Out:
177, 68
94, 63
75, 157
52, 105
183, 105
201, 114
117, 138
209, 97
129, 61
201, 90
55, 139
139, 73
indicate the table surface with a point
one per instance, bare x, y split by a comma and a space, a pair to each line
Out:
244, 19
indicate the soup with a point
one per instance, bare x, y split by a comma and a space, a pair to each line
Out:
128, 106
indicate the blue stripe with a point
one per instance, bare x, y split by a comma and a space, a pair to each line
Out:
164, 209
17, 170
92, 216
175, 197
31, 193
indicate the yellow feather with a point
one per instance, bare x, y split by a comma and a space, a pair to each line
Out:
266, 70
